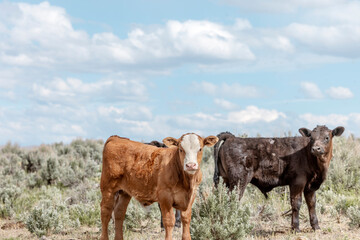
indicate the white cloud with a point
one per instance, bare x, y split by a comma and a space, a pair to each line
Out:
279, 43
254, 114
311, 90
234, 90
10, 95
331, 119
43, 36
224, 104
64, 123
197, 41
350, 121
136, 127
134, 112
73, 90
339, 93
345, 12
37, 41
336, 40
242, 24
45, 124
61, 128
21, 59
281, 6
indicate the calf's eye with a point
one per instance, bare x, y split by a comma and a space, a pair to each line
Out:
200, 149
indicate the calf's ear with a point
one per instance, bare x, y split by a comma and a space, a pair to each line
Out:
338, 131
305, 132
210, 141
170, 141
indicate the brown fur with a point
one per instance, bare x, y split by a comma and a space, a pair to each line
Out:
149, 174
300, 162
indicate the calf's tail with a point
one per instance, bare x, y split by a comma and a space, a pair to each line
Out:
222, 138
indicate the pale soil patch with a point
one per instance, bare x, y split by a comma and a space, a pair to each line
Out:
14, 230
10, 229
331, 229
272, 230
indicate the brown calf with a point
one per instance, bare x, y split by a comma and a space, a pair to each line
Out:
169, 176
177, 213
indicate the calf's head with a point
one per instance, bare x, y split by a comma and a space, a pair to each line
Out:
190, 147
321, 140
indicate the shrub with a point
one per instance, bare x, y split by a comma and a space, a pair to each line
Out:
85, 214
84, 201
139, 218
208, 154
344, 171
84, 193
34, 160
354, 216
44, 219
10, 164
267, 212
8, 195
88, 149
49, 173
344, 202
11, 148
220, 215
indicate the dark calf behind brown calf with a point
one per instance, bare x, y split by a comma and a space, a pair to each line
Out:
300, 162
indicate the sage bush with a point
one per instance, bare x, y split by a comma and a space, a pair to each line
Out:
218, 214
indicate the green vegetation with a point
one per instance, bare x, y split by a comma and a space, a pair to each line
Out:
222, 210
54, 188
51, 187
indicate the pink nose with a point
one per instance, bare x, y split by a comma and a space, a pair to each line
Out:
191, 166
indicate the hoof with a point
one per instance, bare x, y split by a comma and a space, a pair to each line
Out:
316, 227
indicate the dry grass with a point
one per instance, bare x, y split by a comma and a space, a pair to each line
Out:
276, 230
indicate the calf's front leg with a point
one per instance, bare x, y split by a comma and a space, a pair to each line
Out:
168, 217
310, 198
295, 200
186, 218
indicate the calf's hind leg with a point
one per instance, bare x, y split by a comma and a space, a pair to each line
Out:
240, 177
107, 205
178, 218
120, 207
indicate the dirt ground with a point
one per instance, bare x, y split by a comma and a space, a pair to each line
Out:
332, 229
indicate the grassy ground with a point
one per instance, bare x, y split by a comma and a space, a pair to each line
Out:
67, 176
277, 230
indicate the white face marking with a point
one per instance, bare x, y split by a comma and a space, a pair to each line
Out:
191, 145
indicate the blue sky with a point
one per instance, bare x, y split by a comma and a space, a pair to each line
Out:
151, 69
